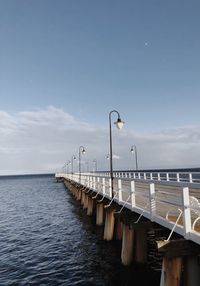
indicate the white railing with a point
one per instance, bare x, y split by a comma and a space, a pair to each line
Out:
174, 206
190, 177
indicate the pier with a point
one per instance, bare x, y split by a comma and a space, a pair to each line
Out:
155, 215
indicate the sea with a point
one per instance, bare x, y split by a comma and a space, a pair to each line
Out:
46, 238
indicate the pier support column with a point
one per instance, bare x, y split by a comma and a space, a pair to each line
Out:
175, 252
118, 228
141, 245
127, 245
85, 203
90, 206
76, 193
109, 224
99, 214
192, 271
79, 195
171, 271
82, 198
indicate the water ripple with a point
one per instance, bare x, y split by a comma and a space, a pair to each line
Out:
47, 239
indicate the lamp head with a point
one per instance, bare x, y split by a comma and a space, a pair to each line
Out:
119, 123
83, 151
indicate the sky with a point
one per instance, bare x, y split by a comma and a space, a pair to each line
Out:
66, 64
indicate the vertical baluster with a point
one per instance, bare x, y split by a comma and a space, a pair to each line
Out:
186, 212
132, 194
120, 190
152, 201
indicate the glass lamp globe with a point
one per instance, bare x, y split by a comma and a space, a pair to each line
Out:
119, 124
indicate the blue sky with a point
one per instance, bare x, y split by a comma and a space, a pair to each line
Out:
81, 59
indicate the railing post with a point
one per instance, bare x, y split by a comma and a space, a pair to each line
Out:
139, 176
186, 212
120, 190
145, 176
103, 186
178, 177
134, 175
152, 201
158, 176
97, 184
167, 176
94, 183
82, 179
132, 194
151, 176
190, 178
110, 189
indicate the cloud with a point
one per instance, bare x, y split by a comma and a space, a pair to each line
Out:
42, 140
116, 157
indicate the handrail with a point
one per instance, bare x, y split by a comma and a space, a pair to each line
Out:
151, 199
168, 176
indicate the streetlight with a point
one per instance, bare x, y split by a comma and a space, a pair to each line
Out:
81, 151
73, 158
119, 124
64, 168
87, 166
134, 150
67, 164
95, 165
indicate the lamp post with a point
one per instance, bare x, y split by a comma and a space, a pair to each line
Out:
67, 164
95, 165
87, 166
73, 158
119, 124
64, 168
81, 151
134, 150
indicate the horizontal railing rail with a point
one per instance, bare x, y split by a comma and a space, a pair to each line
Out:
174, 206
191, 177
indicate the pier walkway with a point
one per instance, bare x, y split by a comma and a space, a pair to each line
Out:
169, 199
151, 213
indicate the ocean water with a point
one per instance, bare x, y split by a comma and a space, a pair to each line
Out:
46, 238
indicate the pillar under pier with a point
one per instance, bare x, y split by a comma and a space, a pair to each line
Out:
90, 206
127, 245
99, 214
118, 228
192, 271
176, 252
171, 271
109, 224
141, 245
85, 202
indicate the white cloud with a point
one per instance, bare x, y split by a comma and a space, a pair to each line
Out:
116, 157
43, 140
